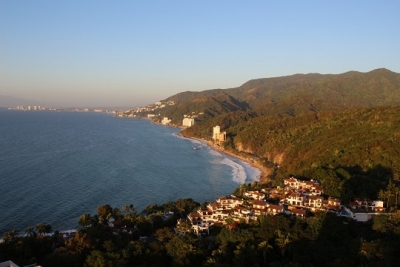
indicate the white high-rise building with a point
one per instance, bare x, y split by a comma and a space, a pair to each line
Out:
188, 122
217, 135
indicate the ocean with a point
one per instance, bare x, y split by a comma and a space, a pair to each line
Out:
56, 166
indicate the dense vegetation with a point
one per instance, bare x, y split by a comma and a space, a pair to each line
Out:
323, 239
333, 147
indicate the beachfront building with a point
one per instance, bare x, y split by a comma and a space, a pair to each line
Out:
165, 120
187, 122
218, 136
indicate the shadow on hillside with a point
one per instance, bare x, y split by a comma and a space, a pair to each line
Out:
365, 184
344, 242
349, 182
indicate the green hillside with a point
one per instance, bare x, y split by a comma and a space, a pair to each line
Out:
297, 94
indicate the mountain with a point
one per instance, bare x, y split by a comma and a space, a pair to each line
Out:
297, 94
10, 101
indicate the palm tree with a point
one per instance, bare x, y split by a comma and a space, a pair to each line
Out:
85, 220
43, 228
40, 227
10, 236
389, 195
282, 240
382, 195
30, 231
396, 193
264, 246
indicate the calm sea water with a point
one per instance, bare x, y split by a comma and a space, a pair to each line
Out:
56, 166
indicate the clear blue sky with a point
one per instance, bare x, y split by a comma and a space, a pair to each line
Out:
131, 53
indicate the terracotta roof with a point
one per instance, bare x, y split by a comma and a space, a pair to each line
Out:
275, 207
299, 212
258, 202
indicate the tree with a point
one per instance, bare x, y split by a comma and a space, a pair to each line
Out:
396, 193
85, 220
264, 247
11, 236
43, 228
164, 234
105, 212
130, 213
144, 225
116, 214
30, 231
182, 250
186, 205
382, 195
282, 240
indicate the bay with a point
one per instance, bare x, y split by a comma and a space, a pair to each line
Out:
56, 166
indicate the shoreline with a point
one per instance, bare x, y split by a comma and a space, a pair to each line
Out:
264, 172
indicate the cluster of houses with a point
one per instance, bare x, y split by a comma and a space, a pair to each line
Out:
296, 198
148, 109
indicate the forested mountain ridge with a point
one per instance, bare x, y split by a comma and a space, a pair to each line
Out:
300, 93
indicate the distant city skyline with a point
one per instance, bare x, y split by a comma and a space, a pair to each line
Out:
133, 53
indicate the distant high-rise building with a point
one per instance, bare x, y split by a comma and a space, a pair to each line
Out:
218, 136
187, 122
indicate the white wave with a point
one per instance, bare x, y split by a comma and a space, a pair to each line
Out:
214, 153
238, 171
242, 171
253, 174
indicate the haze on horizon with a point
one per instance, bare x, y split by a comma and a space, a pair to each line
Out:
131, 53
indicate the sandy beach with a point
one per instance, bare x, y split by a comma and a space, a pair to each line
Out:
264, 172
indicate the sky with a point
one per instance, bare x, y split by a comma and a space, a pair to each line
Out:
132, 53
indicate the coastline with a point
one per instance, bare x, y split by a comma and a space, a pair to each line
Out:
264, 172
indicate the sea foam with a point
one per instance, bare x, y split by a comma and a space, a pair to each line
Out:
242, 172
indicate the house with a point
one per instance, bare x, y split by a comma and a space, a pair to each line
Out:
291, 182
259, 207
314, 202
295, 199
274, 209
299, 212
331, 204
241, 213
311, 187
229, 201
254, 195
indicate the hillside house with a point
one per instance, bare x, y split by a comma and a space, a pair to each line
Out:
314, 202
295, 199
258, 207
254, 195
299, 212
274, 209
229, 201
